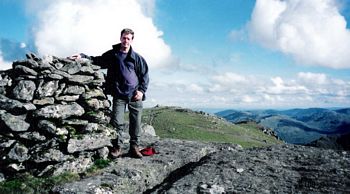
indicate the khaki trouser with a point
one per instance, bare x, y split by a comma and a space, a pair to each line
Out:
117, 120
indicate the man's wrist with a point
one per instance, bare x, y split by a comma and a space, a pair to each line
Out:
143, 92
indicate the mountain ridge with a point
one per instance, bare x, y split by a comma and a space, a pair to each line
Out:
307, 124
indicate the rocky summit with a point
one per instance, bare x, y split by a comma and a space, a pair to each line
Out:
276, 169
194, 167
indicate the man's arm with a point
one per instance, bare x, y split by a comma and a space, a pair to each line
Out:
143, 76
143, 80
102, 60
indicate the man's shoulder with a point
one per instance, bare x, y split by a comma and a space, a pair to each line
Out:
109, 54
137, 54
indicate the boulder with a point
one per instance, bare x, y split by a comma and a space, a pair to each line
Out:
24, 90
18, 153
59, 111
92, 141
14, 123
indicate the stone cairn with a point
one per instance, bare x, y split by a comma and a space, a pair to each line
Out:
54, 116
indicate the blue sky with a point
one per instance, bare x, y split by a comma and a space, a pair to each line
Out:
241, 54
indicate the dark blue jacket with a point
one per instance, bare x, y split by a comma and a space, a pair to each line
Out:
109, 61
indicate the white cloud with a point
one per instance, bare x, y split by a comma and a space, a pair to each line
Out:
230, 78
195, 88
322, 85
231, 90
313, 78
147, 6
312, 32
177, 94
66, 27
249, 99
22, 45
305, 89
4, 65
279, 86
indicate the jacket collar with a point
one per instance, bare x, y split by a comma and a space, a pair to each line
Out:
131, 52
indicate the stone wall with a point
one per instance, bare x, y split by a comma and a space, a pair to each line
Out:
53, 116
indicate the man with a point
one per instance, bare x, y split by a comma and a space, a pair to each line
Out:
127, 82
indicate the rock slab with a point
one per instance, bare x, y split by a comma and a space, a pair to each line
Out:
193, 167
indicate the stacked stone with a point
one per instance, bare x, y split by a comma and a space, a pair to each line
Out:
53, 116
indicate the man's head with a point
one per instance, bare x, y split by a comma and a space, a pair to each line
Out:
126, 38
127, 31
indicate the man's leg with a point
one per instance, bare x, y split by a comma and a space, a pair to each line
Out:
135, 113
117, 122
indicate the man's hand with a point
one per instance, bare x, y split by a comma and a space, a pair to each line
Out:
138, 96
75, 57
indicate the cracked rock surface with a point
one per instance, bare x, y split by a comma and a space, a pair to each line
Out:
193, 167
276, 169
129, 175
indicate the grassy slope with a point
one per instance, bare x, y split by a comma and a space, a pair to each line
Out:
171, 122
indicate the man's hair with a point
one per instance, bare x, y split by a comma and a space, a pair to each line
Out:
127, 31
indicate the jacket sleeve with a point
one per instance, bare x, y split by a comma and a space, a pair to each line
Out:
103, 61
143, 75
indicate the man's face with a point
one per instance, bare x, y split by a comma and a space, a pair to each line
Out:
126, 40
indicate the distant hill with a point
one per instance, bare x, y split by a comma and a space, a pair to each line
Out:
180, 123
297, 126
332, 141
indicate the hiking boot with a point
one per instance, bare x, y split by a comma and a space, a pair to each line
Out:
116, 152
135, 151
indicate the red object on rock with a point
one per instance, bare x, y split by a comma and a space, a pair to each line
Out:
148, 151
